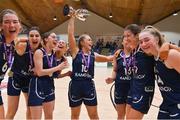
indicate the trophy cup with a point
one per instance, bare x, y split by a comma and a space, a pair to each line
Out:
81, 14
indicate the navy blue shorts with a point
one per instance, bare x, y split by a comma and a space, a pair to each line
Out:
82, 91
171, 111
142, 102
121, 93
40, 91
16, 84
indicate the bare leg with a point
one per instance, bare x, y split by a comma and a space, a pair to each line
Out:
2, 112
36, 112
48, 109
121, 111
28, 114
134, 114
92, 112
13, 103
75, 112
128, 108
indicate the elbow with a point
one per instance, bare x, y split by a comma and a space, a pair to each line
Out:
38, 73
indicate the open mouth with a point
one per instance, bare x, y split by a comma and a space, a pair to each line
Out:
35, 42
60, 46
12, 31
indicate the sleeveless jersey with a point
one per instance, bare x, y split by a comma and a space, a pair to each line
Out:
22, 63
169, 84
123, 68
80, 69
3, 60
143, 72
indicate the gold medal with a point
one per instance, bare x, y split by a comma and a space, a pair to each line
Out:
10, 73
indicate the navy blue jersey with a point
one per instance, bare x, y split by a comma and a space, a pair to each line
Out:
123, 69
169, 84
23, 64
5, 51
80, 71
58, 61
143, 72
49, 61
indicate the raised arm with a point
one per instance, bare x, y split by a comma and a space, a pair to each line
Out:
38, 62
72, 42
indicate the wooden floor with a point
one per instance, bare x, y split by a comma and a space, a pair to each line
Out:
105, 107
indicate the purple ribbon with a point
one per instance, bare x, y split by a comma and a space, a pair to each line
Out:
127, 62
87, 62
8, 54
50, 61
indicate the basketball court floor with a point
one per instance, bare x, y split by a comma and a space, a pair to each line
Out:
105, 108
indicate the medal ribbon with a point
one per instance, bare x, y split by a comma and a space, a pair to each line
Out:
87, 62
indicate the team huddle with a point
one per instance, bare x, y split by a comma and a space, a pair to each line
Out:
35, 62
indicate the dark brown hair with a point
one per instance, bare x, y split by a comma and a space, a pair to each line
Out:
45, 36
134, 28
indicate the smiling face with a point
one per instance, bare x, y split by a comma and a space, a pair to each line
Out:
61, 48
148, 42
52, 40
86, 43
126, 44
130, 38
10, 25
34, 39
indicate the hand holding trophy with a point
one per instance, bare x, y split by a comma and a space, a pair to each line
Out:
81, 14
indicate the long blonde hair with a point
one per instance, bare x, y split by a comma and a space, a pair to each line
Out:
156, 33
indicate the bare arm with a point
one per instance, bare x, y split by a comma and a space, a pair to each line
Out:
114, 72
71, 38
38, 62
61, 75
164, 50
103, 58
173, 60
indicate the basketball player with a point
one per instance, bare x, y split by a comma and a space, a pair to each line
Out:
22, 71
81, 86
121, 74
41, 92
10, 27
168, 69
143, 79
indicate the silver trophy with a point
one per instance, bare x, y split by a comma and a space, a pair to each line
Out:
81, 14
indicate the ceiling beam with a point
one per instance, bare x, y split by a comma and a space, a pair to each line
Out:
140, 12
106, 18
164, 17
27, 18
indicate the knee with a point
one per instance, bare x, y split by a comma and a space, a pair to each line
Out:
49, 116
10, 115
94, 116
75, 116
